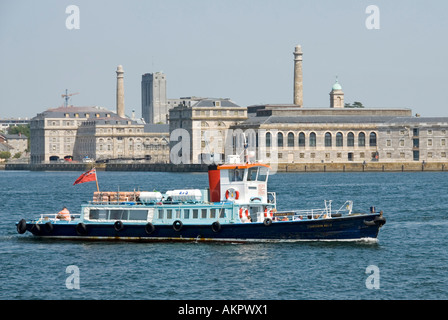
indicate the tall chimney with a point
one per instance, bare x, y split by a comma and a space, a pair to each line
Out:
298, 79
120, 91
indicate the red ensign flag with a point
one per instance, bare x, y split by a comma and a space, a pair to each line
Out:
86, 177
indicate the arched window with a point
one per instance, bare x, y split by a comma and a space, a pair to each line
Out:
291, 140
268, 139
302, 139
339, 139
361, 139
312, 139
350, 139
328, 139
372, 140
280, 140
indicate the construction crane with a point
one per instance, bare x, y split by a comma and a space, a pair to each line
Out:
67, 96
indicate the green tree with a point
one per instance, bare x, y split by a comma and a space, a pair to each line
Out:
355, 104
5, 155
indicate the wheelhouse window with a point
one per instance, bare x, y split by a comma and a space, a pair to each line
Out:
263, 174
252, 175
236, 175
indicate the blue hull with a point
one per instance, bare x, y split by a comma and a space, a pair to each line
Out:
341, 228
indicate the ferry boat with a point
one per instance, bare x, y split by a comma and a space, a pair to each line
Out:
236, 207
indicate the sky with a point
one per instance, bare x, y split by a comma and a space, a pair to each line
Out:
237, 49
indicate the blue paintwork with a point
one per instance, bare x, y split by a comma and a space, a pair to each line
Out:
340, 228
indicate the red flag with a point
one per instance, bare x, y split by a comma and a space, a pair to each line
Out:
86, 177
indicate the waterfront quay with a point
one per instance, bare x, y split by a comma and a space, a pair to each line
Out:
280, 167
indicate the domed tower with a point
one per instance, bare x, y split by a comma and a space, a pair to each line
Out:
336, 96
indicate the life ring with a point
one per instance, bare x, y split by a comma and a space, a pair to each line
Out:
118, 225
216, 226
232, 194
149, 228
268, 213
267, 222
21, 226
177, 225
246, 212
81, 229
48, 227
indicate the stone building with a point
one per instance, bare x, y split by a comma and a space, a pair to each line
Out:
74, 133
205, 123
122, 139
155, 104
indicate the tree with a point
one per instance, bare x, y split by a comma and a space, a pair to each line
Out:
5, 155
355, 104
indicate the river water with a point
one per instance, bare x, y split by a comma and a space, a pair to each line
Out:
409, 260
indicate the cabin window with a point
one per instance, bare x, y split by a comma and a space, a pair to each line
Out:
212, 213
169, 214
177, 213
195, 213
100, 214
252, 175
161, 213
204, 213
118, 215
263, 174
236, 175
186, 213
138, 214
222, 213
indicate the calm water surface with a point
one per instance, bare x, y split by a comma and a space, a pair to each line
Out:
411, 253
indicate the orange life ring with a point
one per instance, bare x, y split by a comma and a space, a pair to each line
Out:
246, 213
232, 193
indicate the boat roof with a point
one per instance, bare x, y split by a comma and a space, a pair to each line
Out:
241, 166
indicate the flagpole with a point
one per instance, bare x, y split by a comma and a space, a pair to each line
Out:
96, 179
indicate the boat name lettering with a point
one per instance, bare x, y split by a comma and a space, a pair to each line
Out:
326, 225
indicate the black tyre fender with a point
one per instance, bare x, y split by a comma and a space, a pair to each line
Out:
149, 228
177, 225
21, 226
216, 226
267, 222
35, 229
48, 227
118, 225
81, 229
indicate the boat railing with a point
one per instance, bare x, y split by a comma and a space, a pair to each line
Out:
53, 217
311, 214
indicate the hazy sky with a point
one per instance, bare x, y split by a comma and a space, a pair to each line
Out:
239, 49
